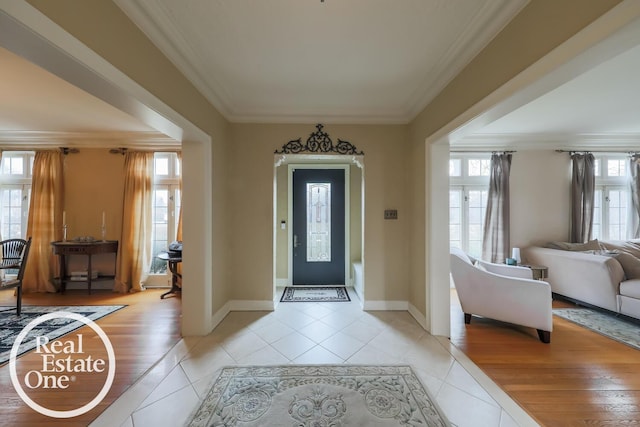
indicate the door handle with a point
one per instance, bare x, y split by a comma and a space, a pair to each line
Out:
295, 240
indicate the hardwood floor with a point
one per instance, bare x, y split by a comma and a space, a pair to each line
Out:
580, 379
140, 333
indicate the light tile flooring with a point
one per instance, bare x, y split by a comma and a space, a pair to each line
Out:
314, 333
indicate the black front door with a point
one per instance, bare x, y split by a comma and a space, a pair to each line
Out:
318, 227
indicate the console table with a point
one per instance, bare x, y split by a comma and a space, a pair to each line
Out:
67, 248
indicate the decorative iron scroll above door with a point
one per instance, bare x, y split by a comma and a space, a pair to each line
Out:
319, 142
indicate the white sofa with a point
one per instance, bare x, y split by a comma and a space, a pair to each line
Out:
591, 278
515, 300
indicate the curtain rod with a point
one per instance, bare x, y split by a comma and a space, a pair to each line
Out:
124, 150
597, 151
482, 152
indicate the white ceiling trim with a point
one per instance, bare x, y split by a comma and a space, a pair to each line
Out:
613, 142
171, 43
86, 139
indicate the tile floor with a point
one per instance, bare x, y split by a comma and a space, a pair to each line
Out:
314, 333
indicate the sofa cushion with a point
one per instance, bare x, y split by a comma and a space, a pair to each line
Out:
629, 263
566, 246
631, 247
630, 288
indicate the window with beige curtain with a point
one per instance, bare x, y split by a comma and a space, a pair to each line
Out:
166, 213
44, 224
135, 249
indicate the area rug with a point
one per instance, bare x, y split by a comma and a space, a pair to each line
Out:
11, 325
605, 324
318, 395
314, 294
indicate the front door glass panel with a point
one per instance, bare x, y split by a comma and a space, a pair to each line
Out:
318, 222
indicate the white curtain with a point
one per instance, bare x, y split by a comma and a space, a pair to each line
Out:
496, 239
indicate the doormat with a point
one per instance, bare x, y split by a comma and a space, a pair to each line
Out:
11, 324
318, 395
626, 332
315, 294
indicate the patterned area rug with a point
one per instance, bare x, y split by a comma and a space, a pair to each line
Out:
314, 294
608, 325
11, 325
320, 395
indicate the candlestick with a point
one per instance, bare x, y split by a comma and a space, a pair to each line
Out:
64, 217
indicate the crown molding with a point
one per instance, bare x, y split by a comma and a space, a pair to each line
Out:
485, 25
17, 139
165, 36
521, 141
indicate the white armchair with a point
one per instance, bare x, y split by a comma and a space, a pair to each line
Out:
518, 300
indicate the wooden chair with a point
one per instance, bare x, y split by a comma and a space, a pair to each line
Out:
13, 255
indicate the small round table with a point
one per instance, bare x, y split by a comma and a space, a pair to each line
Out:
172, 262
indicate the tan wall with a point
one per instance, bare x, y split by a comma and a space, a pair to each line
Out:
104, 28
386, 249
94, 183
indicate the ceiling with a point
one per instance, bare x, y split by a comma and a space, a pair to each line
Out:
34, 100
331, 61
354, 61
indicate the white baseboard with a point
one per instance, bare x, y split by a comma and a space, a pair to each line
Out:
251, 305
386, 305
240, 305
281, 283
219, 315
418, 316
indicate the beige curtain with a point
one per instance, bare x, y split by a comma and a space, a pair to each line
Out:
1, 273
179, 230
134, 252
45, 220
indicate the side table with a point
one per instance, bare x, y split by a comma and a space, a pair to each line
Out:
540, 272
172, 262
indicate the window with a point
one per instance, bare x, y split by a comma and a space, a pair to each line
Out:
166, 210
15, 193
612, 198
468, 191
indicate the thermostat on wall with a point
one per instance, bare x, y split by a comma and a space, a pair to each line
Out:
391, 214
